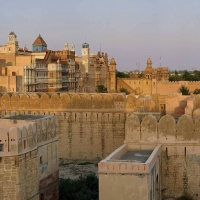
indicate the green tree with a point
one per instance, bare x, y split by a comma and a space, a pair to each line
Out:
187, 76
122, 75
196, 91
175, 77
101, 89
140, 75
184, 90
197, 75
124, 90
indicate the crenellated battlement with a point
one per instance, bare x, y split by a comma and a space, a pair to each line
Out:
165, 130
52, 101
20, 135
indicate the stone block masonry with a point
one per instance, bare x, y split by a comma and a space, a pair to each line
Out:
90, 125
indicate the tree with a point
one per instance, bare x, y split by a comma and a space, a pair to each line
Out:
124, 90
101, 89
184, 90
174, 77
196, 91
83, 188
187, 76
140, 75
122, 75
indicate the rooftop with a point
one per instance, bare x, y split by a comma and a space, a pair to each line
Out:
39, 41
138, 156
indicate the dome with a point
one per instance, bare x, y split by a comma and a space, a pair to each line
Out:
85, 45
12, 33
112, 61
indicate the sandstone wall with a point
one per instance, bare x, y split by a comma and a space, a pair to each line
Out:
173, 87
8, 178
150, 86
91, 126
180, 149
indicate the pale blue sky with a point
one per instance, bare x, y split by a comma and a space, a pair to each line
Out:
128, 30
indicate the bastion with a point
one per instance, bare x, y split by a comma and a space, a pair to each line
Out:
28, 157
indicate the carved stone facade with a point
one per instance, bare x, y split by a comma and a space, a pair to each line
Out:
96, 69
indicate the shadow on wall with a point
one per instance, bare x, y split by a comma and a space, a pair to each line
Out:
180, 110
3, 89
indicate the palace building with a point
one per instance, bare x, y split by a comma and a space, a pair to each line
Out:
44, 70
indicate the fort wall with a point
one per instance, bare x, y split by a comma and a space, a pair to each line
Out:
151, 86
91, 126
180, 149
174, 87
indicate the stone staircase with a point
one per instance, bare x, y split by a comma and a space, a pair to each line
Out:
122, 84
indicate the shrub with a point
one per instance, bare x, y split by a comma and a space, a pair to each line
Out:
184, 90
185, 196
83, 188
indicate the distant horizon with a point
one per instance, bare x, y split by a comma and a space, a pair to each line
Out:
130, 31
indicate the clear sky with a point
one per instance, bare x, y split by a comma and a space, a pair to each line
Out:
128, 30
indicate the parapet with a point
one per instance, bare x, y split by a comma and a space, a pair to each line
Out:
24, 133
123, 161
52, 101
167, 129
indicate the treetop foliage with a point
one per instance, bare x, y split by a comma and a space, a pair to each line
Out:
101, 89
185, 76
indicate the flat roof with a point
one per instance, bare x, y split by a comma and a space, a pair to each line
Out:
138, 156
25, 117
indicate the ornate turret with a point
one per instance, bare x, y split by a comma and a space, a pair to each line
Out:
112, 61
85, 57
66, 46
73, 47
12, 43
112, 74
149, 63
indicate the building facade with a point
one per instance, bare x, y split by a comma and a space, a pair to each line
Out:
154, 81
39, 70
43, 70
96, 69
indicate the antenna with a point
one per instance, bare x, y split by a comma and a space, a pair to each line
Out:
100, 48
85, 39
138, 67
160, 60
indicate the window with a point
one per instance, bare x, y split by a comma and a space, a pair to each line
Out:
24, 144
1, 147
41, 160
